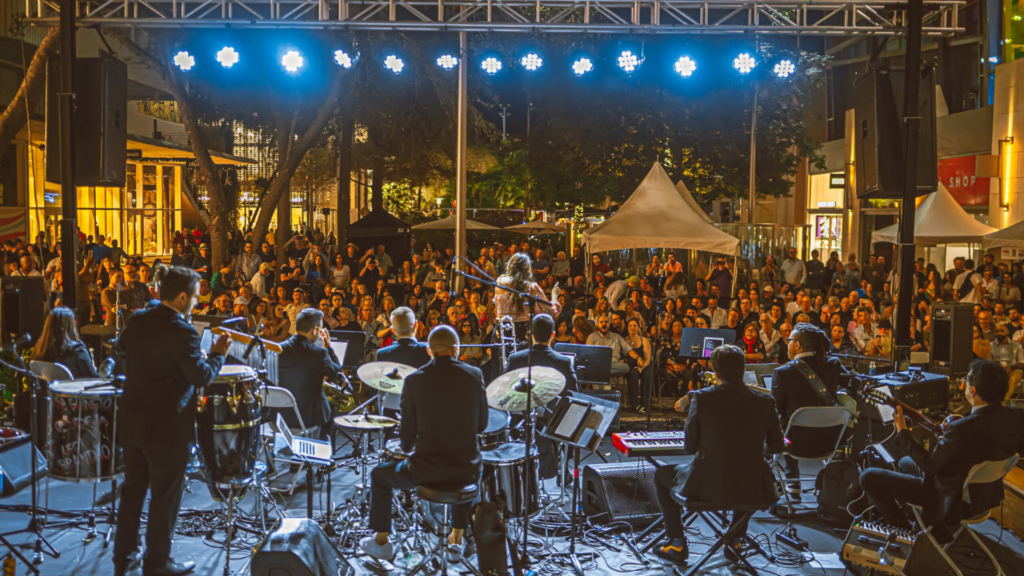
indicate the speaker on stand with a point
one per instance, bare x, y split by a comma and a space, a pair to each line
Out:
22, 307
952, 340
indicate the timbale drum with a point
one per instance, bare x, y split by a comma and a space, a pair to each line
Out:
228, 424
82, 429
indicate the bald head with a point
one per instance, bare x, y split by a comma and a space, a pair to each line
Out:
443, 341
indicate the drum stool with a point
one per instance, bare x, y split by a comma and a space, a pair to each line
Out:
446, 495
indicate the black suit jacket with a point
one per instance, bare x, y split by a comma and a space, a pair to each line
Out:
993, 432
444, 407
792, 391
543, 355
165, 372
301, 368
76, 359
730, 467
405, 351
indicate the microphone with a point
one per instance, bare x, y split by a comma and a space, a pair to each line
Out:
248, 350
23, 339
233, 321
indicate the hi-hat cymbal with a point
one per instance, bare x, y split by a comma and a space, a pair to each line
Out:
509, 392
365, 422
385, 376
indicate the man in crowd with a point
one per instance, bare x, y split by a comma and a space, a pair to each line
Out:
267, 254
815, 274
715, 317
201, 263
720, 276
794, 272
966, 288
248, 264
100, 250
864, 334
298, 305
604, 336
291, 274
1008, 353
263, 281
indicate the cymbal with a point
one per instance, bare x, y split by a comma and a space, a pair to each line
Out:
365, 422
509, 392
385, 376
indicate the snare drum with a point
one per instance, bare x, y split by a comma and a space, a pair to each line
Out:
228, 424
82, 428
496, 432
393, 451
503, 478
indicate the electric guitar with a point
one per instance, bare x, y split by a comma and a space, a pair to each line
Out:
875, 397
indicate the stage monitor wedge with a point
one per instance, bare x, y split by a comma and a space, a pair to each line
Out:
298, 547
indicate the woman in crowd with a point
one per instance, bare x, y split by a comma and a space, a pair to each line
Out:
468, 334
770, 274
258, 317
581, 330
339, 272
384, 334
316, 277
674, 381
563, 330
700, 290
405, 276
602, 307
675, 285
278, 327
751, 344
642, 364
283, 297
59, 343
654, 268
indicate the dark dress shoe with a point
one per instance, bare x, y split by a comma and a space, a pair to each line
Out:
172, 569
128, 564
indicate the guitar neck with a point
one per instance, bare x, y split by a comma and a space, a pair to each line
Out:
917, 417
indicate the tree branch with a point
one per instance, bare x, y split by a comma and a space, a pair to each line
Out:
16, 115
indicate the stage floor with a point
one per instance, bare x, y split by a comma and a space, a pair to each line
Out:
92, 558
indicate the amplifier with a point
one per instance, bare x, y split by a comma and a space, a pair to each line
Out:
919, 390
883, 548
620, 492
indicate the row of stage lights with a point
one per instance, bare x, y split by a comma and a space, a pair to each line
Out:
292, 61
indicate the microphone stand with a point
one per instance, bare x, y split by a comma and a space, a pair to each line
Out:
524, 385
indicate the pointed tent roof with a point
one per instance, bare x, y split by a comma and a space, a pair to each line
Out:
1012, 237
657, 216
685, 193
449, 224
939, 220
377, 223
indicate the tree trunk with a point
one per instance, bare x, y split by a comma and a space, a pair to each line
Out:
344, 180
14, 116
377, 187
284, 225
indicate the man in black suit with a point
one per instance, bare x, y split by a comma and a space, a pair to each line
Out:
935, 480
729, 467
792, 390
444, 407
305, 360
166, 371
541, 354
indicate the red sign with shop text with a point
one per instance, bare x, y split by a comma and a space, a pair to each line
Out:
958, 175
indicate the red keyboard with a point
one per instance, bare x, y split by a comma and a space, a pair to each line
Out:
650, 444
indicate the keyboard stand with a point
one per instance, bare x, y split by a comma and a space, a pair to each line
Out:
310, 465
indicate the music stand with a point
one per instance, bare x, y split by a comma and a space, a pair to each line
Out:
593, 364
578, 421
356, 343
698, 343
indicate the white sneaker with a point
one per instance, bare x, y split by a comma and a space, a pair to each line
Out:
370, 546
456, 551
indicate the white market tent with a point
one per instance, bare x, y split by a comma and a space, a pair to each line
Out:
657, 215
939, 220
685, 193
1012, 237
449, 224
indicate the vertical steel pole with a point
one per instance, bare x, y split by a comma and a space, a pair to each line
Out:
752, 198
68, 194
460, 161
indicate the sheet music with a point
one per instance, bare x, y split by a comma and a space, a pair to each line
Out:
339, 349
884, 410
571, 421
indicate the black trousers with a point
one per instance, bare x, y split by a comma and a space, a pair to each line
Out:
888, 490
665, 480
387, 478
157, 466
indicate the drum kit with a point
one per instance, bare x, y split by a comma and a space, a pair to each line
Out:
510, 476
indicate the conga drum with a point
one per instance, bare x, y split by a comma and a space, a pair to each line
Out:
228, 424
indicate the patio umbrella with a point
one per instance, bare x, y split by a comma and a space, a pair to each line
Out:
449, 224
536, 227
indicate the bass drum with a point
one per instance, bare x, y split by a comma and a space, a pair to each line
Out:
228, 424
503, 478
83, 431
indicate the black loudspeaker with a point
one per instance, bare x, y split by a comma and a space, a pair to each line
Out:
620, 492
101, 121
611, 396
298, 547
15, 466
22, 307
878, 113
952, 338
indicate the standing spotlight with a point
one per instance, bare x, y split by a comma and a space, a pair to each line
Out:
582, 66
784, 68
531, 62
447, 61
292, 61
227, 57
491, 66
628, 61
685, 66
184, 60
394, 63
343, 59
744, 63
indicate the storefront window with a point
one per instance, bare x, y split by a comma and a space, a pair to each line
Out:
825, 213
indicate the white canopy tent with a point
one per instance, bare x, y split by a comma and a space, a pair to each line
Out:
1012, 237
449, 224
939, 220
685, 193
657, 215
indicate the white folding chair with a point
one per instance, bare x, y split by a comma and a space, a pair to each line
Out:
835, 417
50, 371
281, 399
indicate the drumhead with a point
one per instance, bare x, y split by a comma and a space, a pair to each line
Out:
508, 453
235, 373
78, 387
496, 420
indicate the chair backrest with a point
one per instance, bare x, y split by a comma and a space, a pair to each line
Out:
50, 371
991, 471
818, 417
812, 417
919, 357
281, 399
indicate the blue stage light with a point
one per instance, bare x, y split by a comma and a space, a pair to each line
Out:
292, 61
447, 61
227, 57
343, 59
491, 66
628, 61
685, 66
531, 62
784, 68
394, 63
744, 63
582, 66
184, 60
